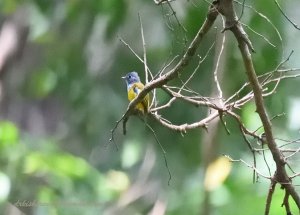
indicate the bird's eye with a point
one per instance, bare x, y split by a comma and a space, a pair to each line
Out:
129, 76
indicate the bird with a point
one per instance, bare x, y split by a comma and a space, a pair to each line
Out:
134, 87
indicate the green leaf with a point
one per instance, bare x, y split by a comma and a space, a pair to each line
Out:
250, 117
9, 133
61, 164
8, 6
42, 83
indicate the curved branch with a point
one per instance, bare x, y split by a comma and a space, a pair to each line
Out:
184, 127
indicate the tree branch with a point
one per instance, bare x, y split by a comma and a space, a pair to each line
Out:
269, 197
185, 60
225, 7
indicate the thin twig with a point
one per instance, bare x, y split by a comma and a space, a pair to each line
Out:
165, 66
274, 117
168, 104
223, 122
259, 34
158, 2
252, 151
176, 18
196, 69
144, 50
161, 147
242, 12
295, 175
248, 165
265, 18
265, 159
289, 156
217, 65
284, 14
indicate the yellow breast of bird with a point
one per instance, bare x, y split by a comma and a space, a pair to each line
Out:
133, 91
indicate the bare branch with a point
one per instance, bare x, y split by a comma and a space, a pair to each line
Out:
217, 66
270, 196
196, 69
184, 127
158, 2
160, 81
248, 165
161, 147
255, 89
175, 16
284, 14
295, 175
166, 66
265, 18
144, 50
265, 160
192, 101
226, 9
260, 35
295, 152
168, 104
286, 203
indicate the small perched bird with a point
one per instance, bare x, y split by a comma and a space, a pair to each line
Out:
134, 87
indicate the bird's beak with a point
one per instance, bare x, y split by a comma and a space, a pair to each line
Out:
123, 77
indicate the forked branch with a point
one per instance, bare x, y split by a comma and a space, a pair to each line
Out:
226, 9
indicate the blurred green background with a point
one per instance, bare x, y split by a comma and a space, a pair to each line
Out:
61, 94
